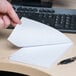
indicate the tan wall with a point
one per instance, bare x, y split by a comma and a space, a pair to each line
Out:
65, 3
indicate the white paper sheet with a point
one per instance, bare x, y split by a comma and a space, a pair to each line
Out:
41, 45
43, 56
32, 33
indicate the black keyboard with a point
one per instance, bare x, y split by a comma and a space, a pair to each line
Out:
62, 19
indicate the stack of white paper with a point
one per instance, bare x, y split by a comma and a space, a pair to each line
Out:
41, 45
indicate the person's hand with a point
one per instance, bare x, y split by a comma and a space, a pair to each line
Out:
7, 15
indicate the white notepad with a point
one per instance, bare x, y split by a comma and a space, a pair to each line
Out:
43, 56
32, 33
41, 45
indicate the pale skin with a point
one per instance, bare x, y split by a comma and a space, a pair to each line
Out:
7, 15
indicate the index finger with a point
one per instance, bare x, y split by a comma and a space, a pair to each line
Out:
12, 14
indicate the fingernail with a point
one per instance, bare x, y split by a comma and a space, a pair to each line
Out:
20, 22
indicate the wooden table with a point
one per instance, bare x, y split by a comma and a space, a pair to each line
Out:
6, 49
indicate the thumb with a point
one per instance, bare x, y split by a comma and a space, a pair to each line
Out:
1, 23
